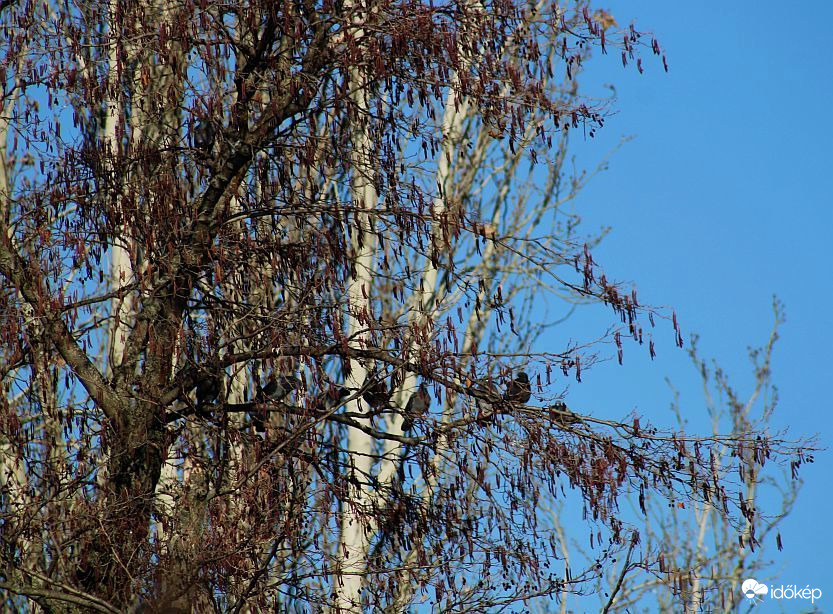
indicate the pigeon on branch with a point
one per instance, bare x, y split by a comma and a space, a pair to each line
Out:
331, 398
204, 135
208, 389
276, 389
376, 393
519, 390
416, 407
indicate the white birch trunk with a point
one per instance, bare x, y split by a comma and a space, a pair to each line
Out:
121, 269
12, 472
425, 299
354, 522
357, 529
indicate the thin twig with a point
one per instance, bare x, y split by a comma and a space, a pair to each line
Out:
621, 576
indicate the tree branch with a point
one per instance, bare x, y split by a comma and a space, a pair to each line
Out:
12, 267
75, 597
621, 575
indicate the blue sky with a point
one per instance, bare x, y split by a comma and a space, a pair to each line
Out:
724, 198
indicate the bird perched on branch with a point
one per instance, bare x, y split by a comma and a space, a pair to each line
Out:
560, 415
208, 389
204, 135
276, 389
518, 390
416, 407
331, 398
376, 392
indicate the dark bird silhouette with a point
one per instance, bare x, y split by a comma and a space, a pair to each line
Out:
276, 389
204, 135
208, 389
376, 392
518, 390
560, 415
331, 398
416, 407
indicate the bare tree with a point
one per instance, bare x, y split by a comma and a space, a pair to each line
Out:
690, 557
238, 239
697, 557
